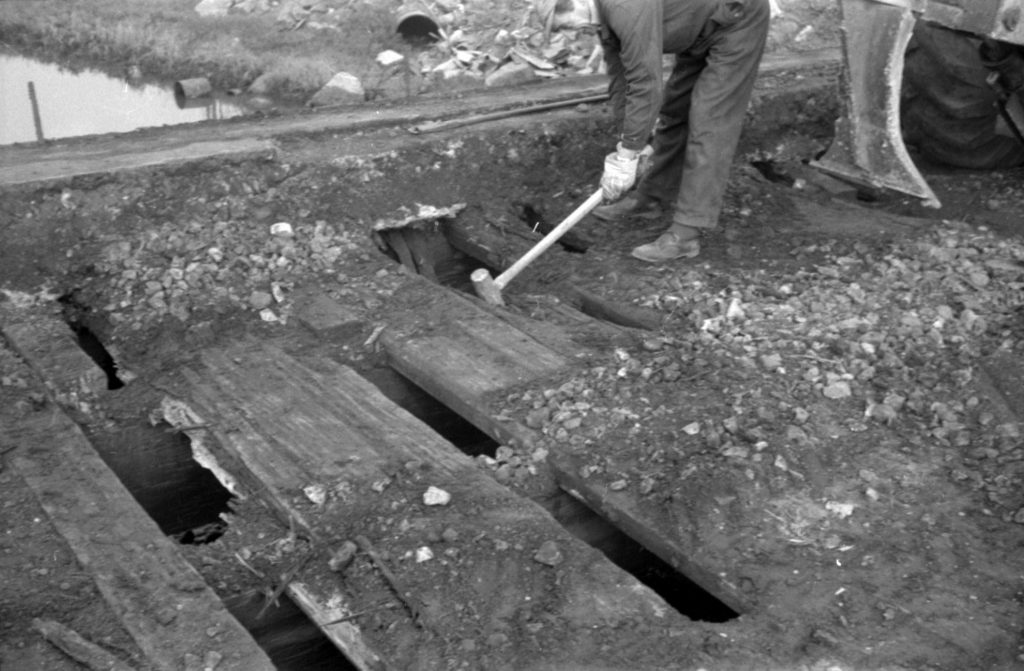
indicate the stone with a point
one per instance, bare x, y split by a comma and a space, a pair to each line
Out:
259, 300
342, 556
213, 7
389, 57
549, 554
342, 88
435, 496
510, 75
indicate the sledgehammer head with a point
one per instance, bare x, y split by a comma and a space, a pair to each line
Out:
485, 287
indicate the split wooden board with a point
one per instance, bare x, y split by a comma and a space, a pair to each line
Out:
161, 600
339, 459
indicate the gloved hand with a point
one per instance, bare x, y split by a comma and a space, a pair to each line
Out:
619, 172
644, 163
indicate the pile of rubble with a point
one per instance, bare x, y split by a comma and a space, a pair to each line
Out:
471, 42
891, 338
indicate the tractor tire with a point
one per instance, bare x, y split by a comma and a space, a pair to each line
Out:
949, 112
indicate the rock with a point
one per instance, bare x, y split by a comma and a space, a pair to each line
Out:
262, 84
837, 390
342, 556
510, 75
342, 88
435, 496
549, 554
260, 300
389, 57
213, 7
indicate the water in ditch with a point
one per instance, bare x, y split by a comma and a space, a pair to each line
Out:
44, 101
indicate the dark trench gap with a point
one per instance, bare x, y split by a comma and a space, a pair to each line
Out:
427, 252
676, 589
155, 464
771, 171
446, 423
291, 640
92, 346
571, 241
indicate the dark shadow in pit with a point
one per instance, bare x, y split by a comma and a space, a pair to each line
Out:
439, 417
675, 588
155, 464
424, 250
289, 638
75, 316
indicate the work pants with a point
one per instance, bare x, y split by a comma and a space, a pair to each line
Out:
699, 124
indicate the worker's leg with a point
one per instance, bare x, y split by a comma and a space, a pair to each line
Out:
717, 107
720, 99
662, 182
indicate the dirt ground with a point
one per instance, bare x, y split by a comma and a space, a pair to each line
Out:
838, 350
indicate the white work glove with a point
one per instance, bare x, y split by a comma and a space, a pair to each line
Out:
619, 172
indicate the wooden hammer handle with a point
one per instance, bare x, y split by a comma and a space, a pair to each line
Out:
558, 231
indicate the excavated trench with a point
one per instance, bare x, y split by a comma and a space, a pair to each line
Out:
189, 504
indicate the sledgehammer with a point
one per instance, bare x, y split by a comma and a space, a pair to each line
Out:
490, 289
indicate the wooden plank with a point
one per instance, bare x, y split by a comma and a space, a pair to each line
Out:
49, 346
621, 511
467, 356
295, 425
632, 316
62, 167
162, 601
1004, 374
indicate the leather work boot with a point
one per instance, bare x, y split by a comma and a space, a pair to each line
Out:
630, 207
668, 247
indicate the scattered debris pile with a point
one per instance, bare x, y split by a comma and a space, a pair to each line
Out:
890, 340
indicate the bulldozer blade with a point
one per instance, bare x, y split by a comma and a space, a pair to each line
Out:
868, 147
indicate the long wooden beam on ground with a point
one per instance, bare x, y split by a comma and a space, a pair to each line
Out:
347, 464
161, 600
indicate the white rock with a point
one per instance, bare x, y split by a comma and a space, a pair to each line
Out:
315, 493
843, 510
435, 496
424, 554
213, 7
735, 310
282, 229
389, 57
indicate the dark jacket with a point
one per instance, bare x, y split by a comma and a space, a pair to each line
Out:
635, 34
